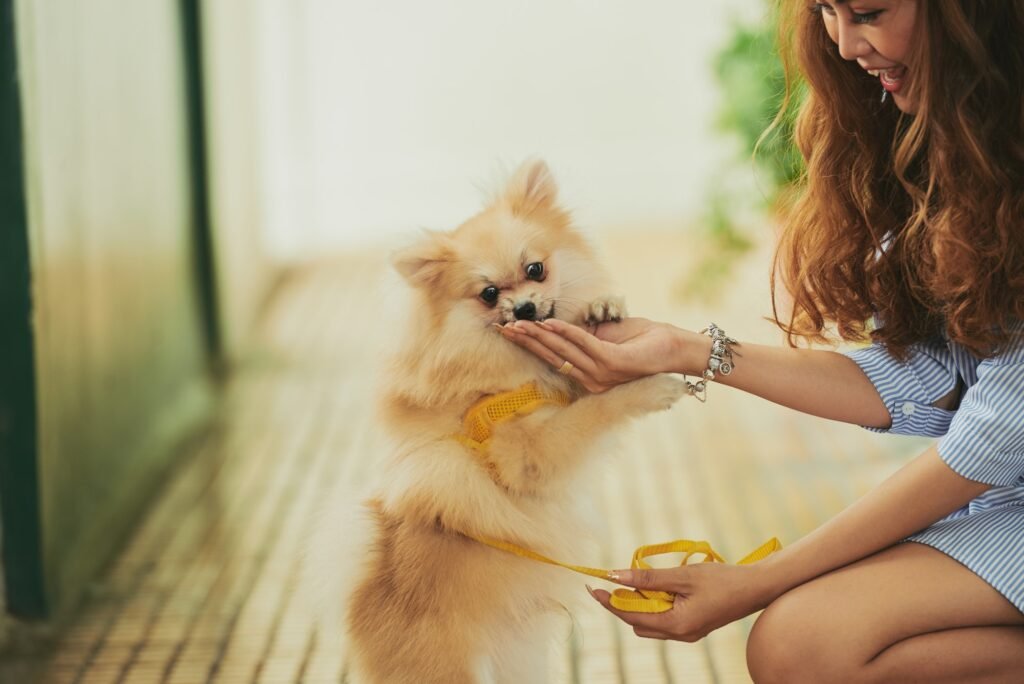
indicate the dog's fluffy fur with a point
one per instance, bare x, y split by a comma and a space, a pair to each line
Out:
432, 604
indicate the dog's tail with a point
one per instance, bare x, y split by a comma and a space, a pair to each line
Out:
334, 556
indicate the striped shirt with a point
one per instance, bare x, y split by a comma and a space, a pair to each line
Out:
982, 440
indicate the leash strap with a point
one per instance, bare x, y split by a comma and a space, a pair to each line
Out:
477, 429
642, 600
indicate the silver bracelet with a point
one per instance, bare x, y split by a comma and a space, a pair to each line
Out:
720, 361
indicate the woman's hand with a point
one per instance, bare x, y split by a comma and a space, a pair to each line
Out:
708, 596
617, 352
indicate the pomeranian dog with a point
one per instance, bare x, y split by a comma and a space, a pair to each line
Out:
432, 603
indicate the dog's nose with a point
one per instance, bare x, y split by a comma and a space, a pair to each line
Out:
526, 311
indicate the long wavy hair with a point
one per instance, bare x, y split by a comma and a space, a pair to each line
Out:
905, 227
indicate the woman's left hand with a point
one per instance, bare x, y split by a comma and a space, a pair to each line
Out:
616, 353
708, 596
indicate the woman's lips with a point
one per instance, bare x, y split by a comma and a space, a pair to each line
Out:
891, 79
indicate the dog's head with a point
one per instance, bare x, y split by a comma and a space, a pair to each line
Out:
520, 258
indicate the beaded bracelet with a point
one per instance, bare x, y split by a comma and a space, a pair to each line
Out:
720, 361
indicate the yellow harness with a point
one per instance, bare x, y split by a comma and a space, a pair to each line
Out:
477, 431
478, 425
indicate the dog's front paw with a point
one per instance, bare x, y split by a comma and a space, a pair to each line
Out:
646, 395
659, 392
605, 309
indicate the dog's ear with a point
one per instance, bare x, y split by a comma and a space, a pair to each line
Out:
531, 188
424, 262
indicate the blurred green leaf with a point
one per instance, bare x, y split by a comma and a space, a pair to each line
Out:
750, 73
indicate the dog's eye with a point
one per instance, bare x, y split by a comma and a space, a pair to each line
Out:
535, 271
489, 294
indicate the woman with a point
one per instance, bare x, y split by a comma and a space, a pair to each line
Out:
911, 215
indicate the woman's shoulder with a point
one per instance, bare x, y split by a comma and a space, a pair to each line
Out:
1009, 354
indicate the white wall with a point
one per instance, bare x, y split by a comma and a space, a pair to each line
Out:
385, 116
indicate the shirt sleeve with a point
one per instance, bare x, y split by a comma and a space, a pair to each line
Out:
985, 441
909, 388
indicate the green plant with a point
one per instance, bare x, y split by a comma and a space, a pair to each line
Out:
752, 80
753, 85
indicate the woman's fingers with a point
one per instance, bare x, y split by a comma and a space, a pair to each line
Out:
576, 335
531, 344
552, 347
650, 634
672, 580
557, 362
650, 623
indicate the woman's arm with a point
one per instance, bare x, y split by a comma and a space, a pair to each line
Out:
821, 383
920, 493
818, 382
710, 595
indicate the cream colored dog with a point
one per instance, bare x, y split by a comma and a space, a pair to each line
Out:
433, 605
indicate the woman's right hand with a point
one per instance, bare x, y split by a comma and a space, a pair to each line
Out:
707, 596
616, 353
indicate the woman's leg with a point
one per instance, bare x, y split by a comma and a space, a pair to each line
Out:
909, 613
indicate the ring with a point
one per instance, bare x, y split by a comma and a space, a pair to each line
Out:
565, 368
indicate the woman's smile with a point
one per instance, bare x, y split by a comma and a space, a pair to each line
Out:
891, 78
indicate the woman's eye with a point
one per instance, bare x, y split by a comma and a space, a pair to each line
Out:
855, 17
866, 17
535, 271
489, 294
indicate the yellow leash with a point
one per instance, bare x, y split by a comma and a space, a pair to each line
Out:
478, 426
642, 600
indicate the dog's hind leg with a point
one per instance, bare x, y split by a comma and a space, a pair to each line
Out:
525, 655
439, 659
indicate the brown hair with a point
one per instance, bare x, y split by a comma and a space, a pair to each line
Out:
917, 220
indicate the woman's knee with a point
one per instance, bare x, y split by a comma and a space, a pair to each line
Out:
792, 643
771, 655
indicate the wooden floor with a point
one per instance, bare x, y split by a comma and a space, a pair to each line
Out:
210, 588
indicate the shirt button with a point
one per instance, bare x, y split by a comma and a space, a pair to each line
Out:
908, 409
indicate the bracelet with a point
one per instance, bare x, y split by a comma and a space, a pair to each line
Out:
720, 361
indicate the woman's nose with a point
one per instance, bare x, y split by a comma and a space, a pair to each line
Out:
851, 42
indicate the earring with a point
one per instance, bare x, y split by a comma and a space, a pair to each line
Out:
885, 94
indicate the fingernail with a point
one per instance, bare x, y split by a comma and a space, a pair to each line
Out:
590, 590
621, 576
544, 324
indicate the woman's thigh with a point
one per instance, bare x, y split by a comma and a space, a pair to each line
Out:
839, 626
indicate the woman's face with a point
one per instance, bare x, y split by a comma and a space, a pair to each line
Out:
876, 34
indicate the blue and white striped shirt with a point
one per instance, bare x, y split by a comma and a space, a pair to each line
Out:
982, 440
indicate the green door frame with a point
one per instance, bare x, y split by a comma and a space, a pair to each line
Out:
192, 51
19, 476
20, 523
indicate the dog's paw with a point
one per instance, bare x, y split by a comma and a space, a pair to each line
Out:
646, 395
605, 309
657, 392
